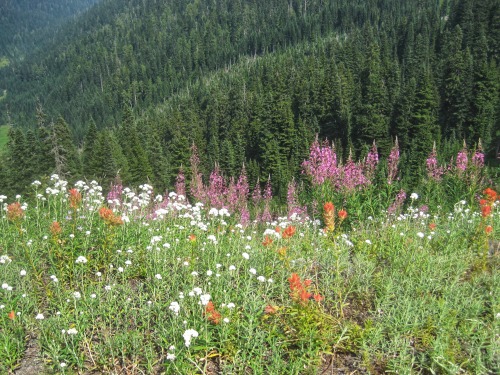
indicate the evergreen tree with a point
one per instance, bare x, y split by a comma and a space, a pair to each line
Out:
139, 169
66, 158
88, 153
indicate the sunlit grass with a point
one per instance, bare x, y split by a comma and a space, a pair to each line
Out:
129, 290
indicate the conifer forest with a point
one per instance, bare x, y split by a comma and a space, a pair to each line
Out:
125, 88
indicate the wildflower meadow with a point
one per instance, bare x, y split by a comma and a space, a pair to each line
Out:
355, 274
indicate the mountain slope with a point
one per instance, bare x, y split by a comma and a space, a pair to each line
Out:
25, 23
139, 52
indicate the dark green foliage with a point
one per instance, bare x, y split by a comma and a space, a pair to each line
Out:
66, 158
254, 82
134, 150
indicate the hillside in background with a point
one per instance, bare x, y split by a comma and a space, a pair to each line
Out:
140, 52
25, 24
131, 85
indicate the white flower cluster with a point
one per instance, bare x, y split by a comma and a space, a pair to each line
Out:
81, 259
5, 259
188, 336
175, 307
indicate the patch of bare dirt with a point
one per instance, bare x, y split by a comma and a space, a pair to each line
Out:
32, 362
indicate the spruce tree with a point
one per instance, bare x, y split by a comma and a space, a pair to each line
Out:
66, 158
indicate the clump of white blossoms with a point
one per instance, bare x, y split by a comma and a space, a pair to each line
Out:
188, 336
174, 306
81, 259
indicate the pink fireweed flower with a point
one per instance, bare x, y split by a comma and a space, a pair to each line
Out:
478, 157
292, 200
242, 188
398, 202
392, 163
322, 163
231, 195
434, 171
257, 194
268, 195
462, 159
217, 189
180, 183
371, 162
244, 216
115, 193
352, 177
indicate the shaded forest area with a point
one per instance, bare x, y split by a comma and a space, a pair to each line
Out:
139, 82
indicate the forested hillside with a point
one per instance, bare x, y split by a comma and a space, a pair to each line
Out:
24, 24
139, 82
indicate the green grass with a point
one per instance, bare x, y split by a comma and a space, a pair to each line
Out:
4, 131
407, 294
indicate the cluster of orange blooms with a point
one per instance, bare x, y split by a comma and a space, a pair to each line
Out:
490, 196
55, 228
287, 233
329, 216
299, 292
109, 217
15, 212
213, 316
75, 198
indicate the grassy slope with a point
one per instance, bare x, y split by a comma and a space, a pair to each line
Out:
413, 294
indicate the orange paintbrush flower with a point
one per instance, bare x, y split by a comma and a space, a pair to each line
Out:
15, 212
267, 241
342, 214
328, 207
288, 232
55, 228
75, 198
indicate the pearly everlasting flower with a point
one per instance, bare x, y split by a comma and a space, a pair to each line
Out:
204, 299
175, 307
188, 336
5, 259
81, 259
